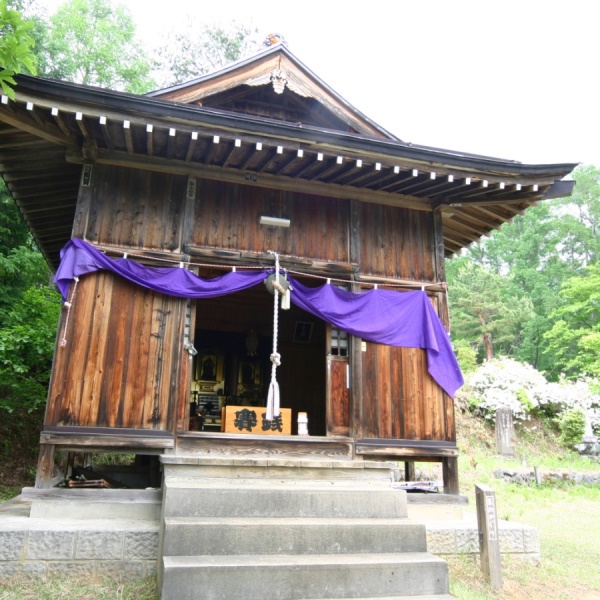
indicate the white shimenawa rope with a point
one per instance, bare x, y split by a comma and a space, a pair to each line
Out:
273, 396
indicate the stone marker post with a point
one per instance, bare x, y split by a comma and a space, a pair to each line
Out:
504, 432
489, 541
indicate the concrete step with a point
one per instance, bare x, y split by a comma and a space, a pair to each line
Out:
199, 500
273, 469
67, 503
319, 576
189, 536
426, 597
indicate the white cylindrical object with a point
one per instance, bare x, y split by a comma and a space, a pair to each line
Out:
302, 423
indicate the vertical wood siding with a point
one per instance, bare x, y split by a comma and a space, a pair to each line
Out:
123, 360
227, 216
399, 398
396, 242
136, 209
123, 365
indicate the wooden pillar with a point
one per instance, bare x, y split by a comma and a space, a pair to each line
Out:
356, 374
409, 470
43, 478
439, 245
450, 474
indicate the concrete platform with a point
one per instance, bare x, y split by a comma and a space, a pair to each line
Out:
83, 537
120, 548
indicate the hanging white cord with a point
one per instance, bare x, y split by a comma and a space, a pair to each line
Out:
273, 396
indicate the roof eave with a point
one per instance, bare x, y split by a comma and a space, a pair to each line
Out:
156, 108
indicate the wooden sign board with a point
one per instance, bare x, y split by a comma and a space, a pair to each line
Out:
252, 419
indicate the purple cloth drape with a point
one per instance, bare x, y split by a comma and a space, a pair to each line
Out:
386, 317
80, 258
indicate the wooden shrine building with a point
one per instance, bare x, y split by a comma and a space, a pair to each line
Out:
209, 179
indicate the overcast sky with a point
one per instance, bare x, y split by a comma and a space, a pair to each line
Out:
516, 79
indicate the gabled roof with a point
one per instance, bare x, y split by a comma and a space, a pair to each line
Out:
261, 84
53, 127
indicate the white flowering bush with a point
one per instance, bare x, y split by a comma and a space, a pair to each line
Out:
504, 382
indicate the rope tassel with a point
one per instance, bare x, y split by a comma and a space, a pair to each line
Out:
273, 402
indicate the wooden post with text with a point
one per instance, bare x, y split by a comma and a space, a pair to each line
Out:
489, 541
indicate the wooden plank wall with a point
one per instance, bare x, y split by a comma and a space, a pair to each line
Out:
134, 208
399, 399
120, 380
396, 242
227, 216
122, 360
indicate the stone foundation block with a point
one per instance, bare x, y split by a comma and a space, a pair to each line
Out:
103, 545
11, 544
51, 545
141, 545
121, 570
72, 568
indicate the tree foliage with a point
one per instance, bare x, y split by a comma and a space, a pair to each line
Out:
531, 258
29, 308
198, 48
574, 339
16, 47
26, 347
92, 42
484, 312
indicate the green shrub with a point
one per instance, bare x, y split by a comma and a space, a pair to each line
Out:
466, 356
572, 427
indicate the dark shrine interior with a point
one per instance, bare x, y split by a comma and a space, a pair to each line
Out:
234, 339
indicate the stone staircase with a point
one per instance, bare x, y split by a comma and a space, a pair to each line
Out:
291, 530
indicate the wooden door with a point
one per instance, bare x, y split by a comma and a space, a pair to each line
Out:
338, 383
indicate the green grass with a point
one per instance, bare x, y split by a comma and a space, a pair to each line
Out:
8, 492
566, 516
69, 588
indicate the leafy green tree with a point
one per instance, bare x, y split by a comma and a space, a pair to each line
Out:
90, 42
486, 309
574, 339
16, 47
199, 48
578, 219
26, 349
538, 251
13, 230
29, 308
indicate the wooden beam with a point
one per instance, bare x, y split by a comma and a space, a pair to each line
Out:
452, 222
191, 146
60, 121
265, 180
410, 284
149, 139
171, 142
105, 132
48, 132
128, 136
106, 441
81, 124
226, 258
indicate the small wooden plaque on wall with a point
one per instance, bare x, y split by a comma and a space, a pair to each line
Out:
252, 419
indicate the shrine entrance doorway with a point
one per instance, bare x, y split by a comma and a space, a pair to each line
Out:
234, 338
